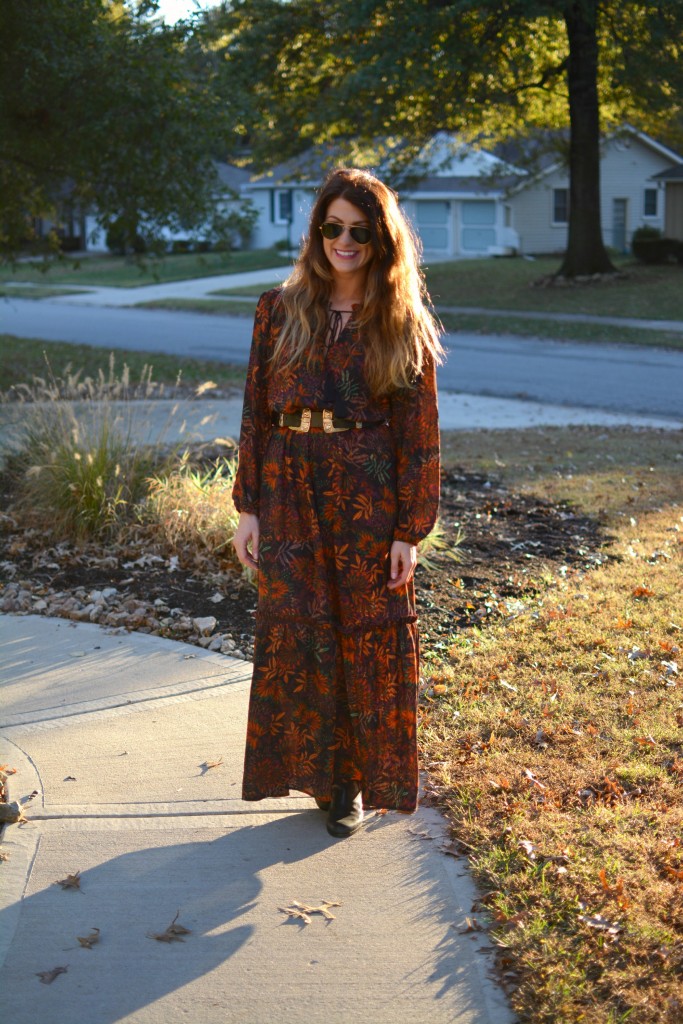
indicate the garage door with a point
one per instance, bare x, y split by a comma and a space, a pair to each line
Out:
478, 225
433, 225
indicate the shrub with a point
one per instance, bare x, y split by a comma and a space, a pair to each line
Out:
79, 477
76, 466
649, 246
193, 508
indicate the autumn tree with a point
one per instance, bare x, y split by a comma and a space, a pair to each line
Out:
102, 104
305, 72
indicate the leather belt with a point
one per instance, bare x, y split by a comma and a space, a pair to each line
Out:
304, 419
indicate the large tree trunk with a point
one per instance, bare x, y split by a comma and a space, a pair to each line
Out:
586, 253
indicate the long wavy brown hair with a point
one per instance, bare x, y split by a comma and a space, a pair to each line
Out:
399, 332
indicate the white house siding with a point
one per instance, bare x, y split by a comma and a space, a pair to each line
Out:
626, 166
269, 227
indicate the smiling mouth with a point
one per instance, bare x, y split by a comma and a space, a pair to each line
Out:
345, 255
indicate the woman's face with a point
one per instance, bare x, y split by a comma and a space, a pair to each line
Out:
345, 255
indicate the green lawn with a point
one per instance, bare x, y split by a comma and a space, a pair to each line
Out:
653, 293
650, 292
23, 358
116, 271
214, 307
8, 291
560, 331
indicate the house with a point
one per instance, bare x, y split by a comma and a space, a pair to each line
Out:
456, 200
79, 230
632, 189
468, 202
672, 183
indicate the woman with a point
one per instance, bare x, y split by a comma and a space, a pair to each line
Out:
338, 481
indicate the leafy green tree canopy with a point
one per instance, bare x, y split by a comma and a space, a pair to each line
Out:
334, 72
102, 103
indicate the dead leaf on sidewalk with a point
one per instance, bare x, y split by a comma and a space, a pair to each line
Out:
173, 933
303, 910
88, 941
207, 765
47, 977
71, 881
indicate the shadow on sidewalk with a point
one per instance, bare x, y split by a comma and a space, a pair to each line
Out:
395, 934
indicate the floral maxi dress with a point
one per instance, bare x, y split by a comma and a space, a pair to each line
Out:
334, 688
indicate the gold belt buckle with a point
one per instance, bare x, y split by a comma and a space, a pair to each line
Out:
305, 422
328, 425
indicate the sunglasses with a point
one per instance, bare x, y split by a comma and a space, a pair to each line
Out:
360, 235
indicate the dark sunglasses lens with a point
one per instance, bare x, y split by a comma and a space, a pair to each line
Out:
360, 235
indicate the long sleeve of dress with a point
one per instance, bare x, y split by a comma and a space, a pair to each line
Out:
256, 424
415, 425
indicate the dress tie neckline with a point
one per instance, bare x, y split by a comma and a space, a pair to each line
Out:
336, 323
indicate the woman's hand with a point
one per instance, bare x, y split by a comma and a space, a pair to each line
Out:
403, 559
246, 539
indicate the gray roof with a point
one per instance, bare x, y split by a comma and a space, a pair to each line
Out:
231, 176
671, 174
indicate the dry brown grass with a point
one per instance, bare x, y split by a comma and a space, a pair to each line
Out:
191, 508
555, 739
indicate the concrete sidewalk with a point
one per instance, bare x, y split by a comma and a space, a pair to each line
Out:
193, 288
112, 732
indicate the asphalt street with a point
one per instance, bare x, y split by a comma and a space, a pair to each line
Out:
627, 379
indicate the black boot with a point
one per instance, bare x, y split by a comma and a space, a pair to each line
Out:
324, 805
346, 810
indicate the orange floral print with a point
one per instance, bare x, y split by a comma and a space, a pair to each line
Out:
336, 656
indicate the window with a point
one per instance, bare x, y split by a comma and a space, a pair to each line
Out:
650, 202
282, 206
560, 205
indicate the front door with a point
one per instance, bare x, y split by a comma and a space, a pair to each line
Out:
619, 224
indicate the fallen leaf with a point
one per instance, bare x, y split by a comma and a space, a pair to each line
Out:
69, 778
303, 910
88, 941
642, 592
47, 977
172, 934
528, 847
211, 764
471, 925
4, 856
601, 923
71, 881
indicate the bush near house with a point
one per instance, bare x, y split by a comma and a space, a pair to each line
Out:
649, 246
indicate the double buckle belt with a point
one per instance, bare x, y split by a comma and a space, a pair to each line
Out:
303, 420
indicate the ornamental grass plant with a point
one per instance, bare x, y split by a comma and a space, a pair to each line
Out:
191, 507
78, 469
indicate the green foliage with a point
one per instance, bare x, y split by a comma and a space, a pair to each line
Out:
79, 480
101, 106
77, 467
193, 507
348, 75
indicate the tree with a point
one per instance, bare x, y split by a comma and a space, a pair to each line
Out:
334, 72
101, 104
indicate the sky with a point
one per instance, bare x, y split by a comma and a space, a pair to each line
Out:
172, 10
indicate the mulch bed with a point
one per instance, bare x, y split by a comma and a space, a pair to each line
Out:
505, 543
